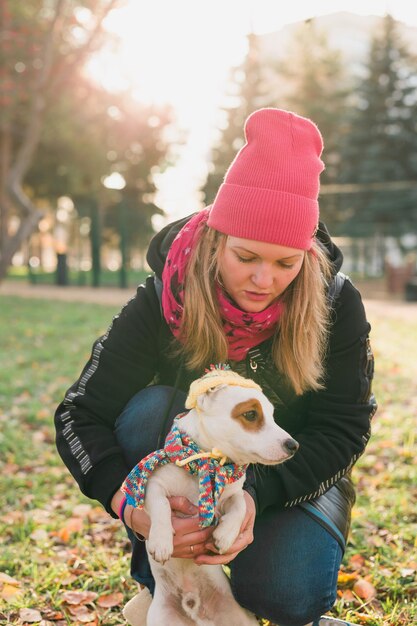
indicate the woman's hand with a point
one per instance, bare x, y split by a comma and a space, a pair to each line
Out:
185, 523
189, 539
244, 538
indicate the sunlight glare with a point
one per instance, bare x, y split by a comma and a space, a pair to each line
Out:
181, 52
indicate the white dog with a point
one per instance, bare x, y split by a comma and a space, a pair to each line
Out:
228, 412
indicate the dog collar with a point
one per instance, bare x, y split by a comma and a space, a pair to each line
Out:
212, 468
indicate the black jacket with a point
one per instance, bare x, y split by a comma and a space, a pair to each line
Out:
332, 426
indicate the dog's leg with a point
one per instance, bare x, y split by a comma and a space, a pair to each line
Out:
230, 522
162, 614
135, 611
160, 543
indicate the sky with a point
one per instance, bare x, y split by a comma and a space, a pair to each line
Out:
181, 52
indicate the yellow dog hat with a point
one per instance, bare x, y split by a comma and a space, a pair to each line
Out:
215, 376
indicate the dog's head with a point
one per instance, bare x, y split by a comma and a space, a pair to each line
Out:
234, 415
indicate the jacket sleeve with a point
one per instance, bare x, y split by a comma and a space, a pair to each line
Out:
122, 362
336, 420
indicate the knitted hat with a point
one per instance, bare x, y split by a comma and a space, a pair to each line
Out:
270, 190
216, 376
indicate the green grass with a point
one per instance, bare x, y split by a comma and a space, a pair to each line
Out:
75, 278
54, 540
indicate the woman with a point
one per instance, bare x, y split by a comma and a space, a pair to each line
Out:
252, 280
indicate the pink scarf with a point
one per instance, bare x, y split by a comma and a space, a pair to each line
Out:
243, 330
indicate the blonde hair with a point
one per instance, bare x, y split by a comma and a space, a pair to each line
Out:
299, 344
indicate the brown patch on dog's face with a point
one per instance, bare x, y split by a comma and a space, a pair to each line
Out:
249, 414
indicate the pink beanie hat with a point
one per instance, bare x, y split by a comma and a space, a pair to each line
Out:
270, 190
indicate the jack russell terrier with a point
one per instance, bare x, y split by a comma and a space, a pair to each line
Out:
229, 412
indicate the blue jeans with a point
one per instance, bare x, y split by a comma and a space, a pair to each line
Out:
287, 575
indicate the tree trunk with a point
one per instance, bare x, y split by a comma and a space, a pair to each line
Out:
13, 171
5, 152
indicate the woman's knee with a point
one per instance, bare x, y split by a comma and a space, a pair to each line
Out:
291, 605
297, 580
142, 425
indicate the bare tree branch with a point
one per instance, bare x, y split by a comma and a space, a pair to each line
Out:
83, 52
33, 129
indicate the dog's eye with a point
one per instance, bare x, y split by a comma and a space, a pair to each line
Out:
251, 416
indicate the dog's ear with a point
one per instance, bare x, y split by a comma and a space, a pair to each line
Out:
216, 388
204, 398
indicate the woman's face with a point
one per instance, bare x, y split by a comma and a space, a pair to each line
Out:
255, 273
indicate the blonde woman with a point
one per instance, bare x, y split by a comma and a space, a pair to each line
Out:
252, 281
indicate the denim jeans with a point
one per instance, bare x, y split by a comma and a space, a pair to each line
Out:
287, 575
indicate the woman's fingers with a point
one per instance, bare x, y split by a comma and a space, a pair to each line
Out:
181, 504
244, 538
191, 544
187, 530
212, 557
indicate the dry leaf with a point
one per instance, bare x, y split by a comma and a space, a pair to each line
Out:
30, 615
52, 615
79, 597
110, 600
346, 595
345, 578
5, 578
356, 562
87, 618
364, 619
364, 589
68, 579
39, 535
81, 510
73, 525
407, 571
82, 614
9, 592
79, 609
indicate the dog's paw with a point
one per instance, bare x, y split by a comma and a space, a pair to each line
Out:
160, 545
224, 537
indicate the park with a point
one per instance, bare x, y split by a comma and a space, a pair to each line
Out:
97, 156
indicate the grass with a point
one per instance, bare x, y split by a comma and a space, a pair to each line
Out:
67, 560
81, 278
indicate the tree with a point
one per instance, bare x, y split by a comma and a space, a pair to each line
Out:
380, 150
247, 93
43, 44
136, 140
316, 86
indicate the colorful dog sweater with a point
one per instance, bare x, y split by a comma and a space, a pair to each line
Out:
213, 474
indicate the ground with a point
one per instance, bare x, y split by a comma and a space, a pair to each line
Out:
65, 561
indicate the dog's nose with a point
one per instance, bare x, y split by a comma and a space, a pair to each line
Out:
291, 446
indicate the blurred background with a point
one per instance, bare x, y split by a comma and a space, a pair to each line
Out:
118, 116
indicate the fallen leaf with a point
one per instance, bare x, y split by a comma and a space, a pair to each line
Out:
39, 535
30, 615
52, 615
73, 525
364, 589
110, 600
346, 595
79, 597
5, 578
87, 618
407, 571
364, 619
344, 577
81, 510
82, 614
67, 580
9, 592
356, 562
